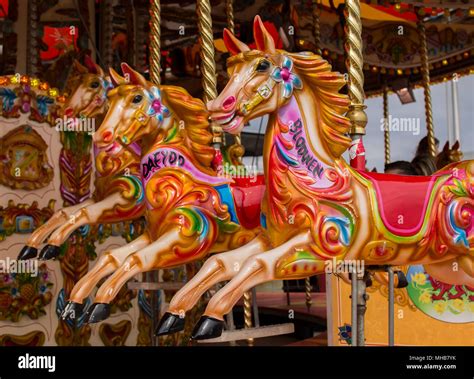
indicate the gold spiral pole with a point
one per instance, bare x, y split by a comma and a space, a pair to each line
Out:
248, 313
386, 131
354, 63
155, 41
208, 65
229, 10
425, 72
308, 288
316, 26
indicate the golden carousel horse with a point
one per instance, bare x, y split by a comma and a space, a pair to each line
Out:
113, 199
191, 211
316, 207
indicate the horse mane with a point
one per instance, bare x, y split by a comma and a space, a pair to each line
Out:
326, 84
194, 114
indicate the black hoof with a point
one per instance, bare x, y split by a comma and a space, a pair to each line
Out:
27, 252
207, 327
169, 323
402, 279
72, 311
97, 312
49, 252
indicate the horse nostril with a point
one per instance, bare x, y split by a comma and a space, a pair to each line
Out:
107, 136
68, 112
229, 102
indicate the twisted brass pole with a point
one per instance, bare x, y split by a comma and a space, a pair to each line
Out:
208, 65
155, 41
354, 64
386, 131
229, 10
425, 72
248, 313
316, 27
308, 289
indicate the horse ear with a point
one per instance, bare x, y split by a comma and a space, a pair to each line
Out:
134, 76
116, 78
455, 146
446, 147
91, 66
233, 44
262, 37
79, 67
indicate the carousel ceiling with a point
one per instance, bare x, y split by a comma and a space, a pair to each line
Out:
391, 40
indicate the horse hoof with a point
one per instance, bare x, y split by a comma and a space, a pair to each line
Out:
98, 312
169, 323
207, 327
27, 252
49, 252
402, 279
72, 311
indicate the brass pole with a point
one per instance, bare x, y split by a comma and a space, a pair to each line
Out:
354, 63
386, 131
229, 10
308, 289
316, 27
208, 65
248, 313
425, 71
155, 41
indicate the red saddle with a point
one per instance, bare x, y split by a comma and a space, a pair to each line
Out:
402, 200
248, 196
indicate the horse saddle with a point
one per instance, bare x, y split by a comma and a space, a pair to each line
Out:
402, 200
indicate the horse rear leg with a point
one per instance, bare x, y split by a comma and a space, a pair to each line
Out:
85, 215
218, 268
105, 265
30, 250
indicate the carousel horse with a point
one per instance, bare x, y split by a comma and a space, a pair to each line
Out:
449, 155
316, 207
191, 211
117, 178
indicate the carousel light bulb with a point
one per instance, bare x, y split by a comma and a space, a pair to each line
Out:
471, 12
399, 71
44, 86
34, 82
14, 79
398, 6
3, 80
24, 79
53, 92
445, 62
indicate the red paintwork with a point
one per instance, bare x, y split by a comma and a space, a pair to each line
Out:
401, 195
248, 196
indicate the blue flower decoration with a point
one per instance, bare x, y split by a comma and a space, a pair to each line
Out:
157, 108
8, 96
286, 77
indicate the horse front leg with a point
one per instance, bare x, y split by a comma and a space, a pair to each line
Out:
257, 269
216, 269
105, 265
30, 250
90, 214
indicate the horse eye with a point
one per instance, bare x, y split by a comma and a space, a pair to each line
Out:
95, 85
137, 99
263, 65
